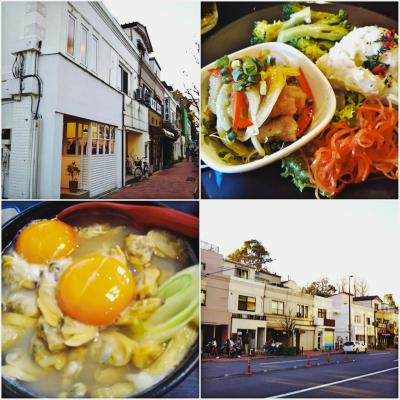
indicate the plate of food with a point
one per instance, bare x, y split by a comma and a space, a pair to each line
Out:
98, 303
304, 96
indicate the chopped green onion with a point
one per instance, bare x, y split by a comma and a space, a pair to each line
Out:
250, 67
224, 72
271, 60
230, 137
263, 88
222, 62
236, 64
309, 101
236, 74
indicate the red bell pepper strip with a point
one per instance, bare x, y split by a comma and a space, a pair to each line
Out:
307, 113
240, 111
215, 71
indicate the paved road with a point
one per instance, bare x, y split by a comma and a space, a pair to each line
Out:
366, 375
177, 182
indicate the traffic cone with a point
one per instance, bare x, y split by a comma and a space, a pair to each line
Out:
308, 362
328, 358
248, 370
346, 358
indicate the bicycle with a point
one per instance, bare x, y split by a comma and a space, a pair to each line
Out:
141, 169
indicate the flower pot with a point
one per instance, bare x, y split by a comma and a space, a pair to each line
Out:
73, 186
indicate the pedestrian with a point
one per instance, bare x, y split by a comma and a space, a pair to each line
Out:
214, 348
187, 152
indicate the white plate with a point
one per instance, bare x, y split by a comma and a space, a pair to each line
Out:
324, 105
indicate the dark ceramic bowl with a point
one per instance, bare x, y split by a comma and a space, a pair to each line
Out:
50, 210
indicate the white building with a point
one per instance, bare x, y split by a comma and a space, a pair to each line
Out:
69, 75
246, 303
324, 323
361, 319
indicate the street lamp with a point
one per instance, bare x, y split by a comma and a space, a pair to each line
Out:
351, 276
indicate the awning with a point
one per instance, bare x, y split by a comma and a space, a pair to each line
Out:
169, 134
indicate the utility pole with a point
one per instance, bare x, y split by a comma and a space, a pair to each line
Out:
351, 276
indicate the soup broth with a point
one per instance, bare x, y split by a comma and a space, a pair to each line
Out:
51, 349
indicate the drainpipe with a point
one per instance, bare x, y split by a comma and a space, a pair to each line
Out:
33, 181
123, 142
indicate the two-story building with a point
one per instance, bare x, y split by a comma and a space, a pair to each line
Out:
79, 92
324, 323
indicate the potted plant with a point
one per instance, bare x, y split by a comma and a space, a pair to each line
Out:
73, 171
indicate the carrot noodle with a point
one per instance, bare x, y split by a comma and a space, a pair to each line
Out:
347, 155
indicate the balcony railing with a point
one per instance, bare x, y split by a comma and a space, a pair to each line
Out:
248, 316
329, 322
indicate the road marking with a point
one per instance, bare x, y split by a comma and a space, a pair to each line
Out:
378, 354
334, 383
395, 360
289, 361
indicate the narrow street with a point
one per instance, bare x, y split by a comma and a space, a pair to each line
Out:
177, 182
365, 375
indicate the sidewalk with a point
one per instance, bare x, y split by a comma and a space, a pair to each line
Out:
267, 357
177, 182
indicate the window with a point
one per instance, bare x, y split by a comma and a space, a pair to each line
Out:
247, 303
112, 140
71, 35
357, 319
84, 41
101, 139
376, 306
277, 307
124, 80
302, 311
203, 297
94, 53
241, 273
368, 321
321, 313
75, 137
94, 138
203, 266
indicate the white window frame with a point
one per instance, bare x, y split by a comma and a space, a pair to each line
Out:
95, 52
84, 34
275, 310
73, 18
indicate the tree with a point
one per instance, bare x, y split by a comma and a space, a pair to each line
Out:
288, 324
360, 287
252, 253
341, 285
321, 288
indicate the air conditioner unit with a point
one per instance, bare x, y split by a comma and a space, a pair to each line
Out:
138, 94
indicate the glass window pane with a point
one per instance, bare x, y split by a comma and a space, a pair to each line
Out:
71, 35
84, 45
101, 139
71, 138
94, 138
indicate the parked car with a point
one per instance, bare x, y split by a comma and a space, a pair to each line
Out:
355, 347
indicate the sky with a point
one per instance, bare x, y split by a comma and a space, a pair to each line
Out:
173, 27
314, 239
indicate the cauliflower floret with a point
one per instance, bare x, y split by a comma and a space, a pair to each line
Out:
344, 64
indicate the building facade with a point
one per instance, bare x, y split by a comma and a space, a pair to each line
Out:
80, 93
262, 307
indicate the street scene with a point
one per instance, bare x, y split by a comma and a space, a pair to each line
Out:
310, 330
101, 100
364, 375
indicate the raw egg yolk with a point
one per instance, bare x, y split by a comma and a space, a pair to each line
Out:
95, 289
46, 240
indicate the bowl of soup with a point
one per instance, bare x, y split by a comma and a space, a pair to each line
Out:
97, 306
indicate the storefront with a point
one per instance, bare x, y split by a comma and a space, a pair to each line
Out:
88, 158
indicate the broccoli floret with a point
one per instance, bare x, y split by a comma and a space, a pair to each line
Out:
290, 8
312, 48
316, 16
265, 32
316, 31
329, 18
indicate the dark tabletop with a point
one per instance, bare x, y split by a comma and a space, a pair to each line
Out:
266, 182
189, 387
